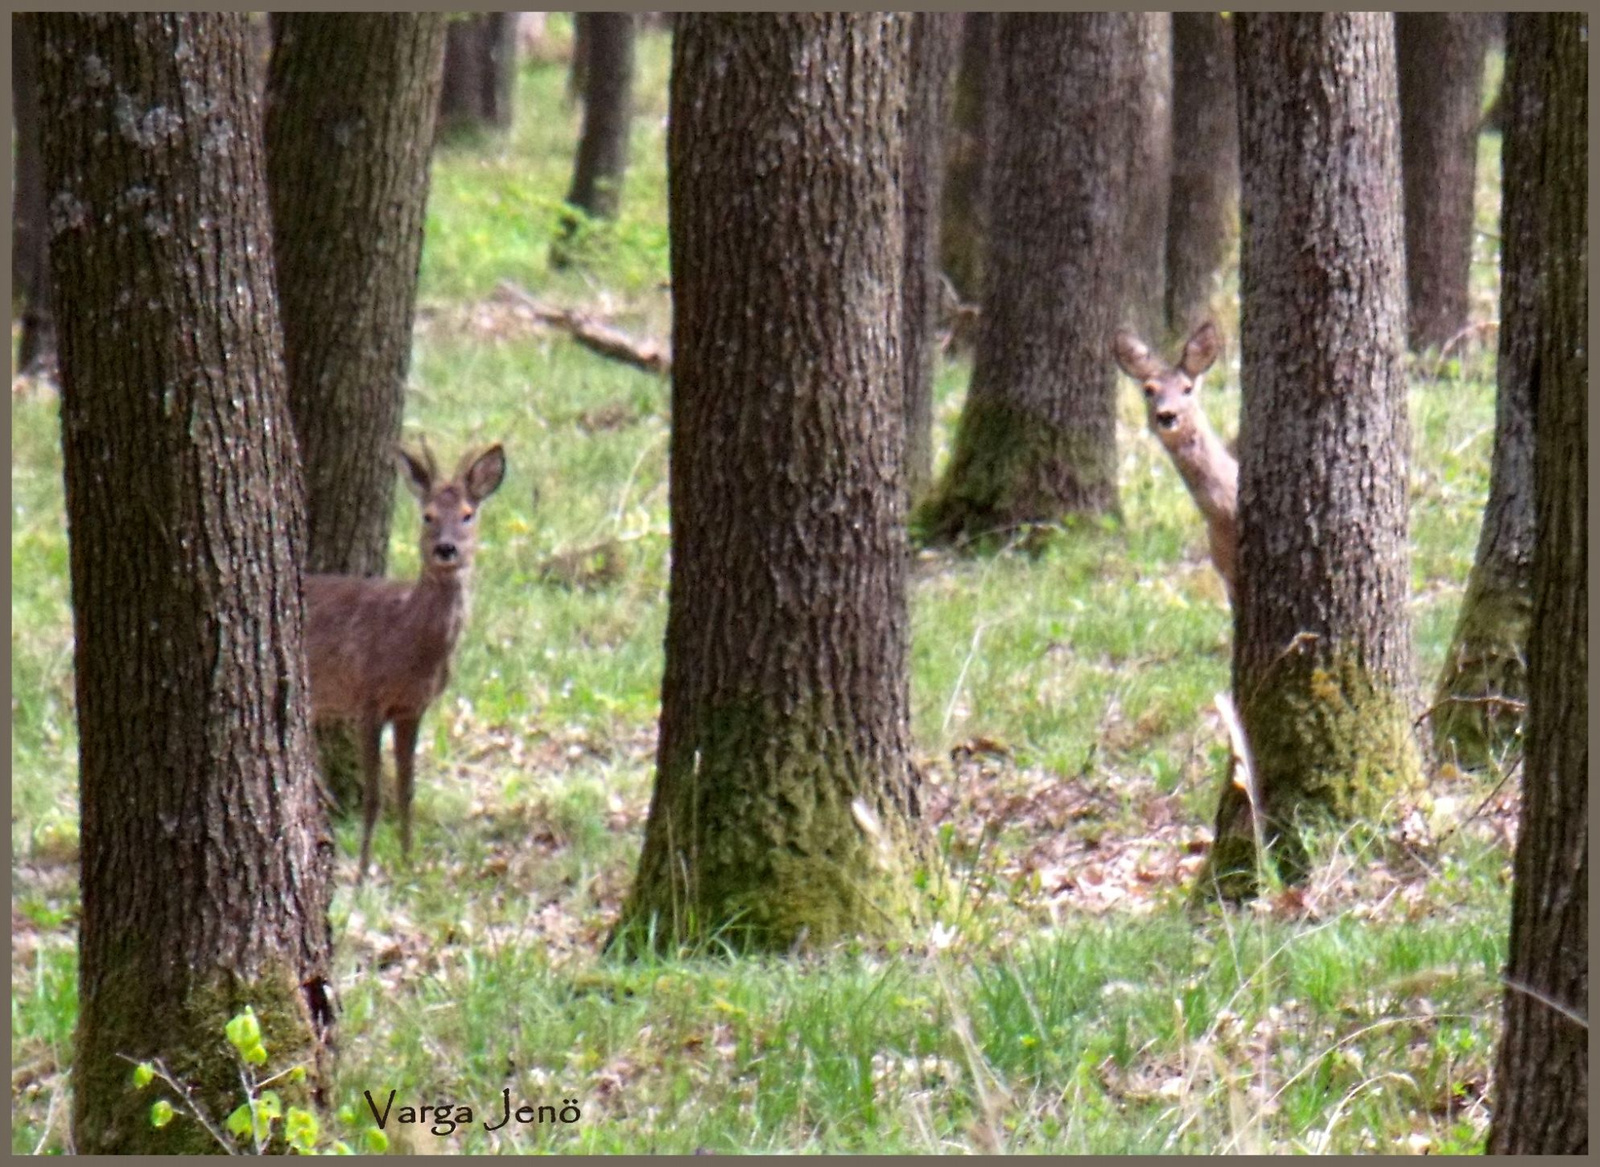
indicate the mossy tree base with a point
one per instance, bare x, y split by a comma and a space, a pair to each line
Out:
187, 1035
1483, 691
1329, 744
771, 834
1012, 468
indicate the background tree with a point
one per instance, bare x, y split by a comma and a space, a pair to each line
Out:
1149, 175
1441, 85
935, 39
351, 102
962, 209
1037, 437
30, 249
1322, 652
602, 159
349, 127
480, 72
205, 864
783, 783
1488, 650
1541, 1104
1204, 201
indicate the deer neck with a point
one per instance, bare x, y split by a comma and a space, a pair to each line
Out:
438, 607
1208, 470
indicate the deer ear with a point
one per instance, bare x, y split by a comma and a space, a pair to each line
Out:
1133, 356
1202, 348
416, 473
485, 474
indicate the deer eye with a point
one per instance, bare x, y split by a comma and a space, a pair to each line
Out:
430, 517
466, 516
1150, 391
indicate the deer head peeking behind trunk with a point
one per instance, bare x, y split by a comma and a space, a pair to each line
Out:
1172, 407
379, 650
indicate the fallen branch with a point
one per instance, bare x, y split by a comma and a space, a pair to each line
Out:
592, 334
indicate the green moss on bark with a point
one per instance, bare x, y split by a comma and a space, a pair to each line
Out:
187, 1036
1012, 467
1487, 661
775, 834
1329, 744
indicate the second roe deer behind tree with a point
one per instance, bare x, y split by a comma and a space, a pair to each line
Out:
1172, 405
379, 649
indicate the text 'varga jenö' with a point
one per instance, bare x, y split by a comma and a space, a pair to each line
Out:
445, 1117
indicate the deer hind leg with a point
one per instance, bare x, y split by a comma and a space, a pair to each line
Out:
371, 730
405, 756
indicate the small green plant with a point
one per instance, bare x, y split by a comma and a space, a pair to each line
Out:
254, 1121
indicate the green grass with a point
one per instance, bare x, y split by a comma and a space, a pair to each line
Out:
1062, 999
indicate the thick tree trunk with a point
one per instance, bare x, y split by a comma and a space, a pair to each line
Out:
351, 104
480, 73
1441, 87
783, 790
1037, 438
1149, 176
1488, 651
206, 868
935, 38
1542, 1074
30, 241
1204, 208
964, 212
1322, 666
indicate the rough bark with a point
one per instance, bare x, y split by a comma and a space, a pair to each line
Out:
480, 73
935, 38
351, 104
1488, 650
783, 791
963, 218
1542, 1077
1441, 85
1322, 666
1204, 208
1037, 437
1149, 175
206, 867
30, 251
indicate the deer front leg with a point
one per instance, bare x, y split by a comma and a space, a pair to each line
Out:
405, 753
371, 731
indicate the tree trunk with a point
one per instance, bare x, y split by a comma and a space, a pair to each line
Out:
1037, 438
1322, 666
602, 158
1149, 176
1487, 660
784, 794
350, 110
1542, 1073
1441, 88
30, 254
935, 38
964, 215
206, 867
480, 73
607, 112
1204, 208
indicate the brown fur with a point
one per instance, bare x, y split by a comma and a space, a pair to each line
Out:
380, 649
1172, 407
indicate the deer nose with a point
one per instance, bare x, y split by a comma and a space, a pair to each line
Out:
444, 552
1166, 418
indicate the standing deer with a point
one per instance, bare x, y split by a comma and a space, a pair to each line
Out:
1172, 405
379, 649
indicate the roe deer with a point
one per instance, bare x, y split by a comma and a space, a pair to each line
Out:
1172, 405
379, 649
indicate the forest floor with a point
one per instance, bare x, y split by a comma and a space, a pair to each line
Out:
1060, 996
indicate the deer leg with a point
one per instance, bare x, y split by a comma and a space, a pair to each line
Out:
405, 752
371, 769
